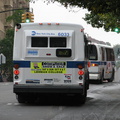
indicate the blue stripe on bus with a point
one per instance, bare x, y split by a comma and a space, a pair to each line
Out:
98, 62
70, 64
23, 64
102, 62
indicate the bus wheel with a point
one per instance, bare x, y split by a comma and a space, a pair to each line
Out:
82, 98
20, 98
112, 77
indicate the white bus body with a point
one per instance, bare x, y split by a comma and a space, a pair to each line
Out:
50, 58
102, 62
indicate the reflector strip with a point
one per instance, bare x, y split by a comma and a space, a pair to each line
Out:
16, 66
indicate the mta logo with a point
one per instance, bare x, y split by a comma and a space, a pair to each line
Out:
33, 33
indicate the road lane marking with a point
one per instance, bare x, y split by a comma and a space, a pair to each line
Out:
10, 104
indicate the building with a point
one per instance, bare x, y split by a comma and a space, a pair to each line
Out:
9, 5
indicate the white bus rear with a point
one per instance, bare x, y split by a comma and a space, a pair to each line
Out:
50, 59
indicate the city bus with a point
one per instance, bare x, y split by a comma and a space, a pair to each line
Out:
50, 58
102, 62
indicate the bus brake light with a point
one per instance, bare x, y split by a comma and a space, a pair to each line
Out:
81, 72
16, 72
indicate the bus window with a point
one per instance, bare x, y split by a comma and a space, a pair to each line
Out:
92, 52
58, 42
103, 54
110, 54
39, 42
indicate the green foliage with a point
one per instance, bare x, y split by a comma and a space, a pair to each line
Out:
101, 20
16, 17
6, 47
102, 13
31, 1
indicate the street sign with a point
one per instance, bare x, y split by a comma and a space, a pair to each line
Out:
2, 59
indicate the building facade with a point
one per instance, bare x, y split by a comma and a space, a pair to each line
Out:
9, 5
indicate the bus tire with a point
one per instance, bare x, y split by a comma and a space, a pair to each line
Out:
20, 98
82, 97
112, 77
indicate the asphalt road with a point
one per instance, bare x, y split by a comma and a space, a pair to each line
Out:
103, 103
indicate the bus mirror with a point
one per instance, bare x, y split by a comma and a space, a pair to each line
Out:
18, 26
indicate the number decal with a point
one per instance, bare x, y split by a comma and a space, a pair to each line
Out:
63, 34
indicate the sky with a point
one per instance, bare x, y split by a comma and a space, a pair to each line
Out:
55, 12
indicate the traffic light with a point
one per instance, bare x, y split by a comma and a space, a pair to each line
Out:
27, 17
23, 18
117, 30
31, 17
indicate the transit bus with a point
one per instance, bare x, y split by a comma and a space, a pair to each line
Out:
102, 62
50, 58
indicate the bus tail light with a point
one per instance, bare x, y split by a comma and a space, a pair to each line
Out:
16, 72
81, 72
94, 64
89, 64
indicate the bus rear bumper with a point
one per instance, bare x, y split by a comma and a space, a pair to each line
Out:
94, 76
18, 89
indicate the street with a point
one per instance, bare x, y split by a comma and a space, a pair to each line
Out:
103, 103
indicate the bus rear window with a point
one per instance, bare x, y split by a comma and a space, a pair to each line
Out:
58, 42
39, 42
92, 52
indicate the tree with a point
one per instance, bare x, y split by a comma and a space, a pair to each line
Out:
6, 45
102, 13
16, 17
